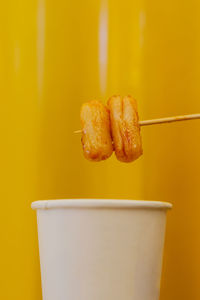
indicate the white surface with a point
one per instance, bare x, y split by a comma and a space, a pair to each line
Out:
107, 251
47, 204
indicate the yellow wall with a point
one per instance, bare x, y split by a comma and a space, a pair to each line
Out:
53, 57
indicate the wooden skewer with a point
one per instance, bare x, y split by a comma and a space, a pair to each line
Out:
164, 120
170, 119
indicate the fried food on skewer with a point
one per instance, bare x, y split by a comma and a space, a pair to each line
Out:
122, 116
96, 131
125, 128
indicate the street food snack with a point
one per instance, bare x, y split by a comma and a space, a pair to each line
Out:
125, 128
96, 131
116, 127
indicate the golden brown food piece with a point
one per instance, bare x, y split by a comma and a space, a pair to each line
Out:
125, 128
96, 138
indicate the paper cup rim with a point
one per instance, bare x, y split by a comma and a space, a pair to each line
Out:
99, 203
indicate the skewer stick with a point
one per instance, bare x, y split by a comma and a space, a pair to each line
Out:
164, 120
170, 119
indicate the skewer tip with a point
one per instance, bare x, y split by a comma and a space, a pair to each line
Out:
77, 131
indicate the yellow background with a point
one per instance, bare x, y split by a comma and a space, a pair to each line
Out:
54, 55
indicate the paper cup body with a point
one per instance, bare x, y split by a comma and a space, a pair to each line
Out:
101, 249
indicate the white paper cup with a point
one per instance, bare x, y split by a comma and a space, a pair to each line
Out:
101, 249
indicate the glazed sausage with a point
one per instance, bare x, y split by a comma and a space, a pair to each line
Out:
96, 131
125, 128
